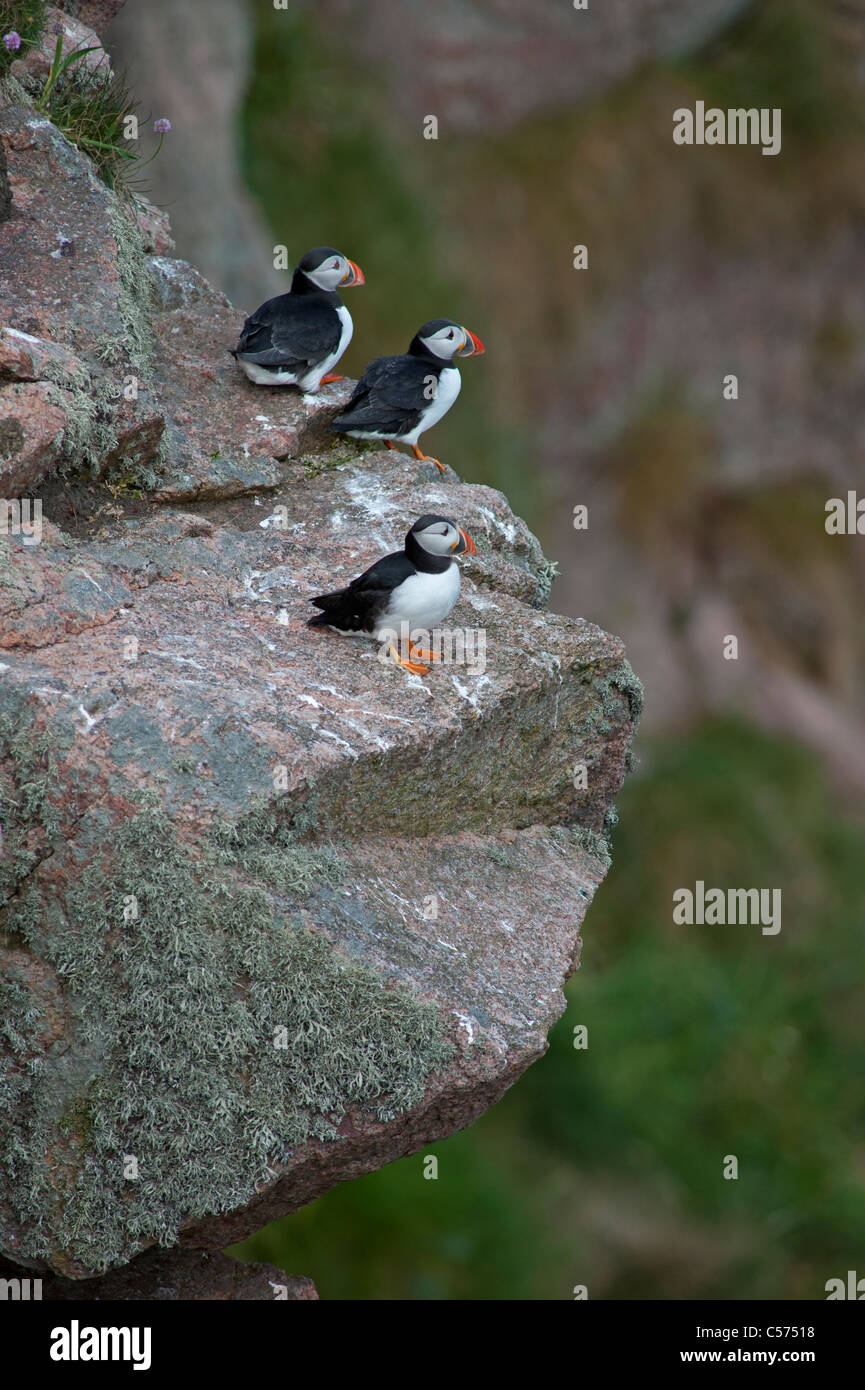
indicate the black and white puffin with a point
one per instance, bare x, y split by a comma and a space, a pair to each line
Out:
416, 587
296, 339
402, 397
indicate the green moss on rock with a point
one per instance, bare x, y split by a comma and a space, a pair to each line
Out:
136, 286
594, 844
215, 1035
264, 846
89, 397
28, 815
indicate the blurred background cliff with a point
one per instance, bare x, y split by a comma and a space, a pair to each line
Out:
604, 388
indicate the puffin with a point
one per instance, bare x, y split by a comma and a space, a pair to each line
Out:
296, 338
416, 586
402, 397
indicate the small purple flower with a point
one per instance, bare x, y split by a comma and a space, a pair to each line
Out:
162, 126
56, 27
12, 41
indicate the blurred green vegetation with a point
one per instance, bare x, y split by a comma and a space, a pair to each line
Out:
781, 53
604, 1166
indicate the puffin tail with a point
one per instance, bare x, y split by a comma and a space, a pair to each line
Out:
330, 604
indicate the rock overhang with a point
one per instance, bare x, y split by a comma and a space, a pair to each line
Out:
218, 823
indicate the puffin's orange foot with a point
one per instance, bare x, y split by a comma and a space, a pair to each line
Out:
415, 652
388, 444
331, 376
413, 666
427, 458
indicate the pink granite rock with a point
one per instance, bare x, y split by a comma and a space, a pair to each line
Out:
274, 911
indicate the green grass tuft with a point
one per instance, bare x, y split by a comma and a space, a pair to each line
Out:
23, 17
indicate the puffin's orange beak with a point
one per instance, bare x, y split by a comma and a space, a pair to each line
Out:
473, 347
355, 277
468, 546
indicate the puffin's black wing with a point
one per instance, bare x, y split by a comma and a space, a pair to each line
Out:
390, 397
290, 331
357, 608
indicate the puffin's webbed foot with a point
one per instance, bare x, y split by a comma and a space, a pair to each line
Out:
427, 458
415, 651
413, 666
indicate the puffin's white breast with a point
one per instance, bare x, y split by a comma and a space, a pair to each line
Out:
423, 600
312, 380
267, 376
448, 389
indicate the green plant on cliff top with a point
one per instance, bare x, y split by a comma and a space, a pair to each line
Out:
26, 18
91, 108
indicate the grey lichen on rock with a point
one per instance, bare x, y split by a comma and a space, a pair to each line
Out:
272, 912
230, 1035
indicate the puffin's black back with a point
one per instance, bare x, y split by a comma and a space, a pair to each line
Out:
390, 396
358, 607
291, 330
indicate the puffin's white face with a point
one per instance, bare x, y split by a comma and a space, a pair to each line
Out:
452, 340
334, 272
446, 341
442, 537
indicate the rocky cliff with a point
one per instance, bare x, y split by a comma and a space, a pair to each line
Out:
274, 913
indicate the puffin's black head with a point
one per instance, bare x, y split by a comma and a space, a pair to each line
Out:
329, 269
446, 339
438, 535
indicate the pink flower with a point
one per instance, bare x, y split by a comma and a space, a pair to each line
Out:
12, 41
162, 126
